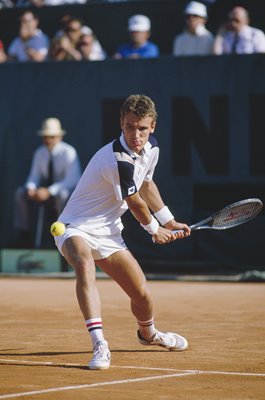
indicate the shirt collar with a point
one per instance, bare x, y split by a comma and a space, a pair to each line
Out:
145, 150
56, 149
244, 30
200, 30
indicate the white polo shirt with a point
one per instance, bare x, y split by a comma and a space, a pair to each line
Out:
113, 173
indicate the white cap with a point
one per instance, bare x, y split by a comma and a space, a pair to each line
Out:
139, 23
196, 8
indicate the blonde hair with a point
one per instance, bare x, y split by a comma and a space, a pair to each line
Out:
140, 105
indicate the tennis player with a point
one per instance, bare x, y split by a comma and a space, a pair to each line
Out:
119, 176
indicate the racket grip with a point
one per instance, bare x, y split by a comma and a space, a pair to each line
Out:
178, 230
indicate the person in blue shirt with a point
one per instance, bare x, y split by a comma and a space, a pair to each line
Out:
31, 44
139, 27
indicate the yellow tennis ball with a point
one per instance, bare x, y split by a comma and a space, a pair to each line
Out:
57, 228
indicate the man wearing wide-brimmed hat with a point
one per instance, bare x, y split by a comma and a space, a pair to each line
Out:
54, 173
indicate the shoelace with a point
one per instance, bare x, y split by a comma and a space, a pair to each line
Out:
167, 340
100, 351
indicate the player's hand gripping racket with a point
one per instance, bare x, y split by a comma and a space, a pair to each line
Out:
233, 215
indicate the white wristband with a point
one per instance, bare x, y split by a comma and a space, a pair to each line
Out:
151, 228
164, 215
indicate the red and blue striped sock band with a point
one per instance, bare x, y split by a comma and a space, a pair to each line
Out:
93, 323
94, 327
147, 328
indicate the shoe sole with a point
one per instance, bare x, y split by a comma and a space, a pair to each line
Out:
95, 367
146, 343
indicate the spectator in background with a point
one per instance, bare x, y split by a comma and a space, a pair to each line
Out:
237, 37
89, 47
31, 44
139, 27
6, 4
3, 56
62, 2
66, 43
29, 3
54, 173
195, 40
41, 3
73, 30
61, 49
63, 21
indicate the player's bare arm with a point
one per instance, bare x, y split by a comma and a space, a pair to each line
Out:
140, 210
151, 195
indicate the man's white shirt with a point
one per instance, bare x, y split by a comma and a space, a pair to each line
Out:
113, 173
67, 169
250, 40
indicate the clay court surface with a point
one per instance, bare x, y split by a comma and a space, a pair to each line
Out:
45, 347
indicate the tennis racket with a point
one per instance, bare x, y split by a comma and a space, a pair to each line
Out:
233, 215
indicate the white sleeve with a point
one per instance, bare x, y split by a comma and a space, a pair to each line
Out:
259, 42
34, 177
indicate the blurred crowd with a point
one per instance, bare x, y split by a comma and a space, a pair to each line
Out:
74, 40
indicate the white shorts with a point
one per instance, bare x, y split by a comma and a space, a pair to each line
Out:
101, 246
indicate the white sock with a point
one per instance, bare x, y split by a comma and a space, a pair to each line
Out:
94, 327
147, 328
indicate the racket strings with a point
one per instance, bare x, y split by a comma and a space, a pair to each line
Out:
232, 216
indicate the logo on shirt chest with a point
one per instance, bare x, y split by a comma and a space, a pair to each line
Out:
131, 190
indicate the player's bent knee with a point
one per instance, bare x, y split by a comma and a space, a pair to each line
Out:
143, 296
84, 268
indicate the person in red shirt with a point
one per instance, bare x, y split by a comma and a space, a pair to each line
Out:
3, 56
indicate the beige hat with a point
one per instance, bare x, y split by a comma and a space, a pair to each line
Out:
51, 127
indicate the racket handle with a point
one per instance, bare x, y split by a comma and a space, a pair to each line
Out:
174, 231
178, 230
192, 227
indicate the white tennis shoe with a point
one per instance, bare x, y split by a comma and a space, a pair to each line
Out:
168, 340
101, 358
